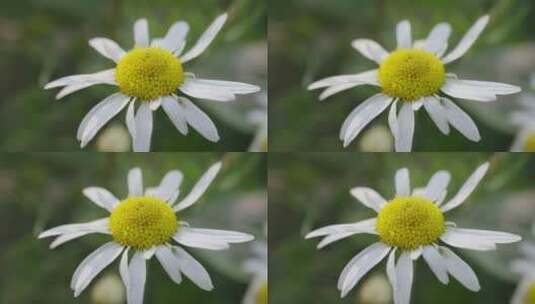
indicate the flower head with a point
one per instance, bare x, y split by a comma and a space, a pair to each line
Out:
410, 225
151, 74
146, 223
414, 76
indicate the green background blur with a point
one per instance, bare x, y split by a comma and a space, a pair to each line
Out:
311, 39
42, 40
43, 190
311, 190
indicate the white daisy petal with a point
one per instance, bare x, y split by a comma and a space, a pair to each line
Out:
437, 113
438, 38
436, 263
137, 276
461, 121
405, 128
93, 264
176, 113
362, 116
370, 49
169, 262
404, 277
367, 77
199, 188
437, 185
393, 122
102, 77
416, 253
216, 90
101, 197
403, 182
461, 271
72, 89
391, 273
99, 115
477, 239
361, 264
369, 197
335, 233
403, 35
467, 41
155, 104
97, 226
123, 269
141, 33
192, 269
335, 89
107, 48
143, 126
211, 239
417, 105
206, 38
477, 90
175, 37
169, 186
468, 187
198, 120
64, 238
135, 182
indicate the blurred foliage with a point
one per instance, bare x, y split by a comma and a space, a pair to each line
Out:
43, 190
41, 40
310, 40
311, 190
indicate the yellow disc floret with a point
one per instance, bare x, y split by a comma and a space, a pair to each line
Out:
148, 73
410, 222
262, 294
529, 143
410, 74
142, 222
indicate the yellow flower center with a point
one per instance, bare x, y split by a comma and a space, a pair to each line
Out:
262, 294
142, 222
529, 144
530, 294
410, 74
148, 73
410, 222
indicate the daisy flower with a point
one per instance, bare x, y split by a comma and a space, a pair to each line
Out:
145, 223
257, 293
525, 291
523, 119
151, 74
410, 225
414, 76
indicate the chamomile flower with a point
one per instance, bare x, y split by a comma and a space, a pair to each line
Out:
410, 225
525, 291
257, 293
144, 224
151, 74
523, 120
414, 76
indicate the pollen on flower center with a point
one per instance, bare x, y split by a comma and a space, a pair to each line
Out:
410, 74
148, 73
142, 222
410, 222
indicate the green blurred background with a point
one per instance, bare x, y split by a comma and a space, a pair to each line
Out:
310, 40
43, 190
311, 190
42, 40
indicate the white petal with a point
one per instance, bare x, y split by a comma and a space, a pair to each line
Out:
210, 238
468, 187
369, 197
461, 121
107, 48
215, 89
437, 185
370, 49
335, 89
438, 38
102, 77
192, 269
143, 127
405, 128
416, 253
404, 277
101, 197
206, 38
93, 264
363, 115
72, 89
97, 226
141, 34
169, 262
361, 264
137, 275
135, 182
403, 182
393, 122
403, 35
368, 77
130, 120
169, 186
99, 116
477, 239
417, 105
123, 269
460, 270
155, 104
198, 120
437, 113
335, 233
64, 238
391, 273
175, 38
436, 263
176, 113
466, 42
199, 188
477, 90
